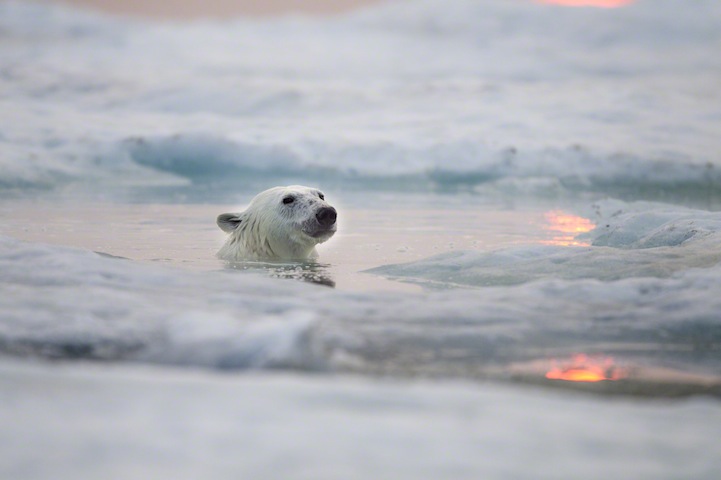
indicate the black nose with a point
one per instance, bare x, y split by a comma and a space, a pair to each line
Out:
326, 216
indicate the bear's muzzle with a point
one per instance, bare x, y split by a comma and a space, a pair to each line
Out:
326, 216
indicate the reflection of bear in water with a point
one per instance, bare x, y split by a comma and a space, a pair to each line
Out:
282, 223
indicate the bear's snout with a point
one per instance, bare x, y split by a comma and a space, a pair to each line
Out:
326, 216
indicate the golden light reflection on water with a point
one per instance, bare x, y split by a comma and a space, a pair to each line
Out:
565, 227
582, 368
589, 3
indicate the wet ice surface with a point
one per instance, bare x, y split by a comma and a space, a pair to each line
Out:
518, 184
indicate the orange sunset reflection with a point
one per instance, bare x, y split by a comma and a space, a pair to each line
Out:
565, 227
589, 3
582, 368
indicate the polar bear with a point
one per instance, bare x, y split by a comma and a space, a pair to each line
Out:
281, 223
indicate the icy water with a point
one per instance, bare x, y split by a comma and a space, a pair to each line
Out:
525, 280
185, 235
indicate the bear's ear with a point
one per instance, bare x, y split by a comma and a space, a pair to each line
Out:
228, 222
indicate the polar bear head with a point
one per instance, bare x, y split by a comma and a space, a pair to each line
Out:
281, 223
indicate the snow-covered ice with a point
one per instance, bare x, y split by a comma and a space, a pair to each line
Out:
486, 95
86, 422
629, 240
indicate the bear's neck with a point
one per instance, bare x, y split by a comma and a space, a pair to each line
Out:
248, 243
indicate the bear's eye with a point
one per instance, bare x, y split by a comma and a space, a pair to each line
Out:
288, 200
321, 196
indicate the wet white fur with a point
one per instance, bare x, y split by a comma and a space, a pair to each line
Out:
271, 230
